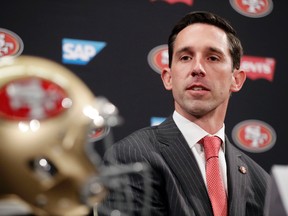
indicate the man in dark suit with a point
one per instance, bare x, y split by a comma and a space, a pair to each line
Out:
203, 72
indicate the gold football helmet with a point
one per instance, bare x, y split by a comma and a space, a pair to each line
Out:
49, 120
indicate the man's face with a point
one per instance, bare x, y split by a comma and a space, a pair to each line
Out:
201, 76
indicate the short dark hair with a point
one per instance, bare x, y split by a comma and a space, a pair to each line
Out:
236, 49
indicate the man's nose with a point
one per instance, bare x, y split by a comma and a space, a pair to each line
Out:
198, 69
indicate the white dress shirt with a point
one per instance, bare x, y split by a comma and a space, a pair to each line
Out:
193, 134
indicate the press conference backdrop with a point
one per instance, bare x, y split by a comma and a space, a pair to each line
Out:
118, 47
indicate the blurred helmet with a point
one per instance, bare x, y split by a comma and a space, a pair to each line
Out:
49, 120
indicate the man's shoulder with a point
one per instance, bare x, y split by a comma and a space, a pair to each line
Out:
140, 134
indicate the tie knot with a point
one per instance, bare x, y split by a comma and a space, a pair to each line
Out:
211, 146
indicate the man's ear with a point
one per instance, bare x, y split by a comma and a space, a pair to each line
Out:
239, 77
166, 78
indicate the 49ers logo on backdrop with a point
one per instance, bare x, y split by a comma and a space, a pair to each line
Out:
32, 98
254, 136
252, 8
10, 43
158, 58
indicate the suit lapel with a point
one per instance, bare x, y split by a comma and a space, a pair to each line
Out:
178, 155
237, 178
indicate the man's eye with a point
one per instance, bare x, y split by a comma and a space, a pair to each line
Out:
213, 58
185, 58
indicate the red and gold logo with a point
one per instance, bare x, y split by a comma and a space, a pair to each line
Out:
252, 8
31, 98
10, 43
158, 58
254, 136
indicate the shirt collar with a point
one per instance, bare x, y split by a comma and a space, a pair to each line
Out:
192, 132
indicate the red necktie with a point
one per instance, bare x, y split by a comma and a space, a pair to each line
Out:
215, 183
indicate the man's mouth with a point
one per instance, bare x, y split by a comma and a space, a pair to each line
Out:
197, 88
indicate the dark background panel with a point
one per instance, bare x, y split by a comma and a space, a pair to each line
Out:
131, 28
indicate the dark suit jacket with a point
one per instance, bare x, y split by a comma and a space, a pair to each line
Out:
177, 186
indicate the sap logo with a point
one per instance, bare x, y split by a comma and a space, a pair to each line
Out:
80, 52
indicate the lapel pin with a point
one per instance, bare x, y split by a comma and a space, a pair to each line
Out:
242, 169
